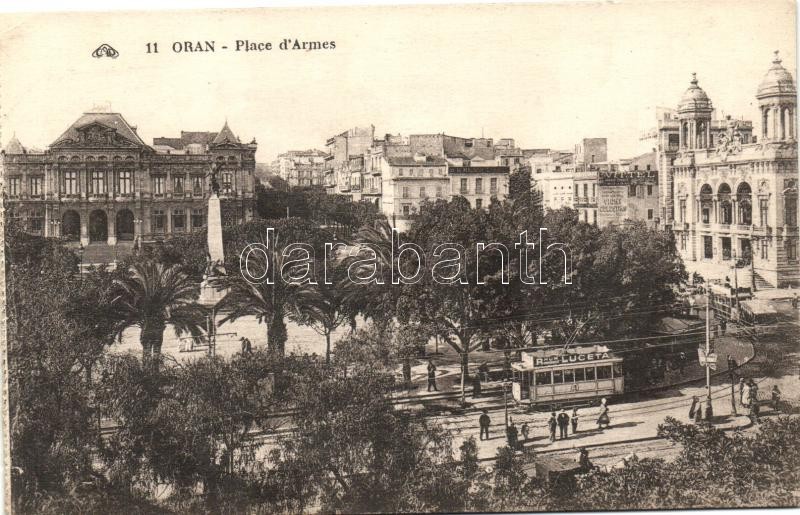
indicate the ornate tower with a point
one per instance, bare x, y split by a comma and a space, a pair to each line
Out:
777, 99
694, 113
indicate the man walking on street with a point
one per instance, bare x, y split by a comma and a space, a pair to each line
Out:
563, 423
484, 422
432, 376
551, 424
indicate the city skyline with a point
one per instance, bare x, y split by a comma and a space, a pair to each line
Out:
532, 73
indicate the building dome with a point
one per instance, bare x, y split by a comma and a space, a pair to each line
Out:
777, 81
694, 98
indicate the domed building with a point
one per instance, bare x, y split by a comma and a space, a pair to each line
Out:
101, 186
735, 197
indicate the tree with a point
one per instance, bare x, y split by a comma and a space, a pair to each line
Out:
454, 310
320, 305
151, 295
712, 470
359, 454
269, 301
377, 299
192, 424
57, 330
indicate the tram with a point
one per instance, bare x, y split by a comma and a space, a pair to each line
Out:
725, 300
758, 314
551, 376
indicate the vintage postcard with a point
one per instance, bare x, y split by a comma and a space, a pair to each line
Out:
401, 259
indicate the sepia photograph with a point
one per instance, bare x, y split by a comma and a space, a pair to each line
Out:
276, 259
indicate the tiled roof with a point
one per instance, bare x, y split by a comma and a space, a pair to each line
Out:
226, 135
111, 120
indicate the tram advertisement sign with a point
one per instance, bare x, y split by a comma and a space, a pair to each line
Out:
571, 358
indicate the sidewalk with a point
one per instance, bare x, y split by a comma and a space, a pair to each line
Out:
632, 421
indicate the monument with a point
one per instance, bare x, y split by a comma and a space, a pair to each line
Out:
210, 295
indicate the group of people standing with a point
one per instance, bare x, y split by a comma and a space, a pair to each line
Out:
560, 422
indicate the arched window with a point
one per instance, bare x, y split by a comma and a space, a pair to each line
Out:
725, 207
706, 203
743, 198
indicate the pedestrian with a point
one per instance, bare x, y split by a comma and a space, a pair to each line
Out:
432, 376
694, 407
776, 397
698, 413
682, 362
483, 370
476, 387
512, 435
723, 325
603, 418
574, 420
484, 421
247, 347
552, 424
563, 424
795, 301
525, 431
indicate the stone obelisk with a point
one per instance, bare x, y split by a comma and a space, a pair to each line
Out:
209, 294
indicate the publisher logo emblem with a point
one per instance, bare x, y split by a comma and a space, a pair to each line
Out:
105, 50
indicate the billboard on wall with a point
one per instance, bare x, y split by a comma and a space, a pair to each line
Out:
612, 204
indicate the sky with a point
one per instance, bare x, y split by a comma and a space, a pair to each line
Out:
545, 75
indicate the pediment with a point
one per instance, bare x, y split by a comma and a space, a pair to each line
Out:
94, 135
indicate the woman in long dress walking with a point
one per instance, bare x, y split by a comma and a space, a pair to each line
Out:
603, 418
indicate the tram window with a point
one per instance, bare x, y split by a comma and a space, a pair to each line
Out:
618, 370
558, 376
569, 376
590, 374
543, 378
580, 375
604, 372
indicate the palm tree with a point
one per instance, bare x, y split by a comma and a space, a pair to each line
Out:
320, 305
151, 295
268, 303
373, 301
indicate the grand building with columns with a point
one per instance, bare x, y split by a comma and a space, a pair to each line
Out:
735, 197
99, 183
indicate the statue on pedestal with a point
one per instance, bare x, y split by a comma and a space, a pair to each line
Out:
214, 182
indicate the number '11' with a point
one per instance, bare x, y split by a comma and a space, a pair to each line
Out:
152, 48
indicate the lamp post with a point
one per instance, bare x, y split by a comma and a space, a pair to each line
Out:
54, 226
137, 233
505, 400
81, 250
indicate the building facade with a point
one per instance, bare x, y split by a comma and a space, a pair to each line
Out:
665, 140
339, 177
302, 167
553, 172
735, 200
99, 183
